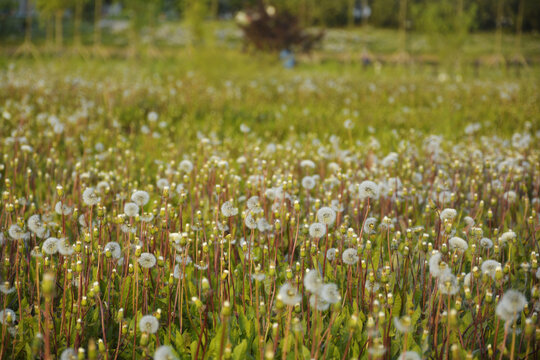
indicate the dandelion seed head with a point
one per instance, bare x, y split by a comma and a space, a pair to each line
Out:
330, 293
312, 281
165, 352
289, 295
50, 246
350, 256
149, 324
114, 248
90, 197
448, 214
510, 305
131, 209
326, 215
368, 190
140, 197
458, 244
69, 354
228, 209
317, 230
147, 260
7, 317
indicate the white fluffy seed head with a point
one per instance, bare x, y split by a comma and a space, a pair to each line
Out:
140, 197
326, 215
317, 230
149, 324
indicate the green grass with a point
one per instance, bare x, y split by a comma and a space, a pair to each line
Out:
431, 138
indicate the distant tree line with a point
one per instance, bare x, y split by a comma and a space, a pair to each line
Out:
480, 15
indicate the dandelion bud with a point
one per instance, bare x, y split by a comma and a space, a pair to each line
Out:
124, 329
78, 326
272, 270
490, 350
84, 301
444, 249
92, 353
452, 318
48, 284
198, 303
80, 354
120, 315
59, 190
144, 339
499, 273
101, 346
529, 327
289, 274
376, 306
455, 351
205, 284
296, 206
353, 321
490, 214
269, 352
489, 297
370, 322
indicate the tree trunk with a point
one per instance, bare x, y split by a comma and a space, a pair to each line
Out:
402, 25
97, 20
350, 14
519, 26
49, 31
214, 9
498, 37
59, 29
364, 17
28, 29
77, 23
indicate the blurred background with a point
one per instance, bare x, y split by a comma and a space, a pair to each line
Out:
491, 32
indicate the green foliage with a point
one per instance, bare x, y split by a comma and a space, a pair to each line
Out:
217, 126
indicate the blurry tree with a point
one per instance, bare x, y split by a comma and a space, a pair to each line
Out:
446, 24
46, 10
518, 56
143, 16
57, 7
77, 20
385, 13
27, 46
194, 12
98, 8
266, 28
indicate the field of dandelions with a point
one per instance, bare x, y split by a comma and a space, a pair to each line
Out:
220, 207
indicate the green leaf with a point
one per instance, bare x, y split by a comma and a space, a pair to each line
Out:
245, 325
240, 350
179, 340
396, 309
28, 350
193, 349
306, 353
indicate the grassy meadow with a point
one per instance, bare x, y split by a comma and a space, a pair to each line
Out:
214, 205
